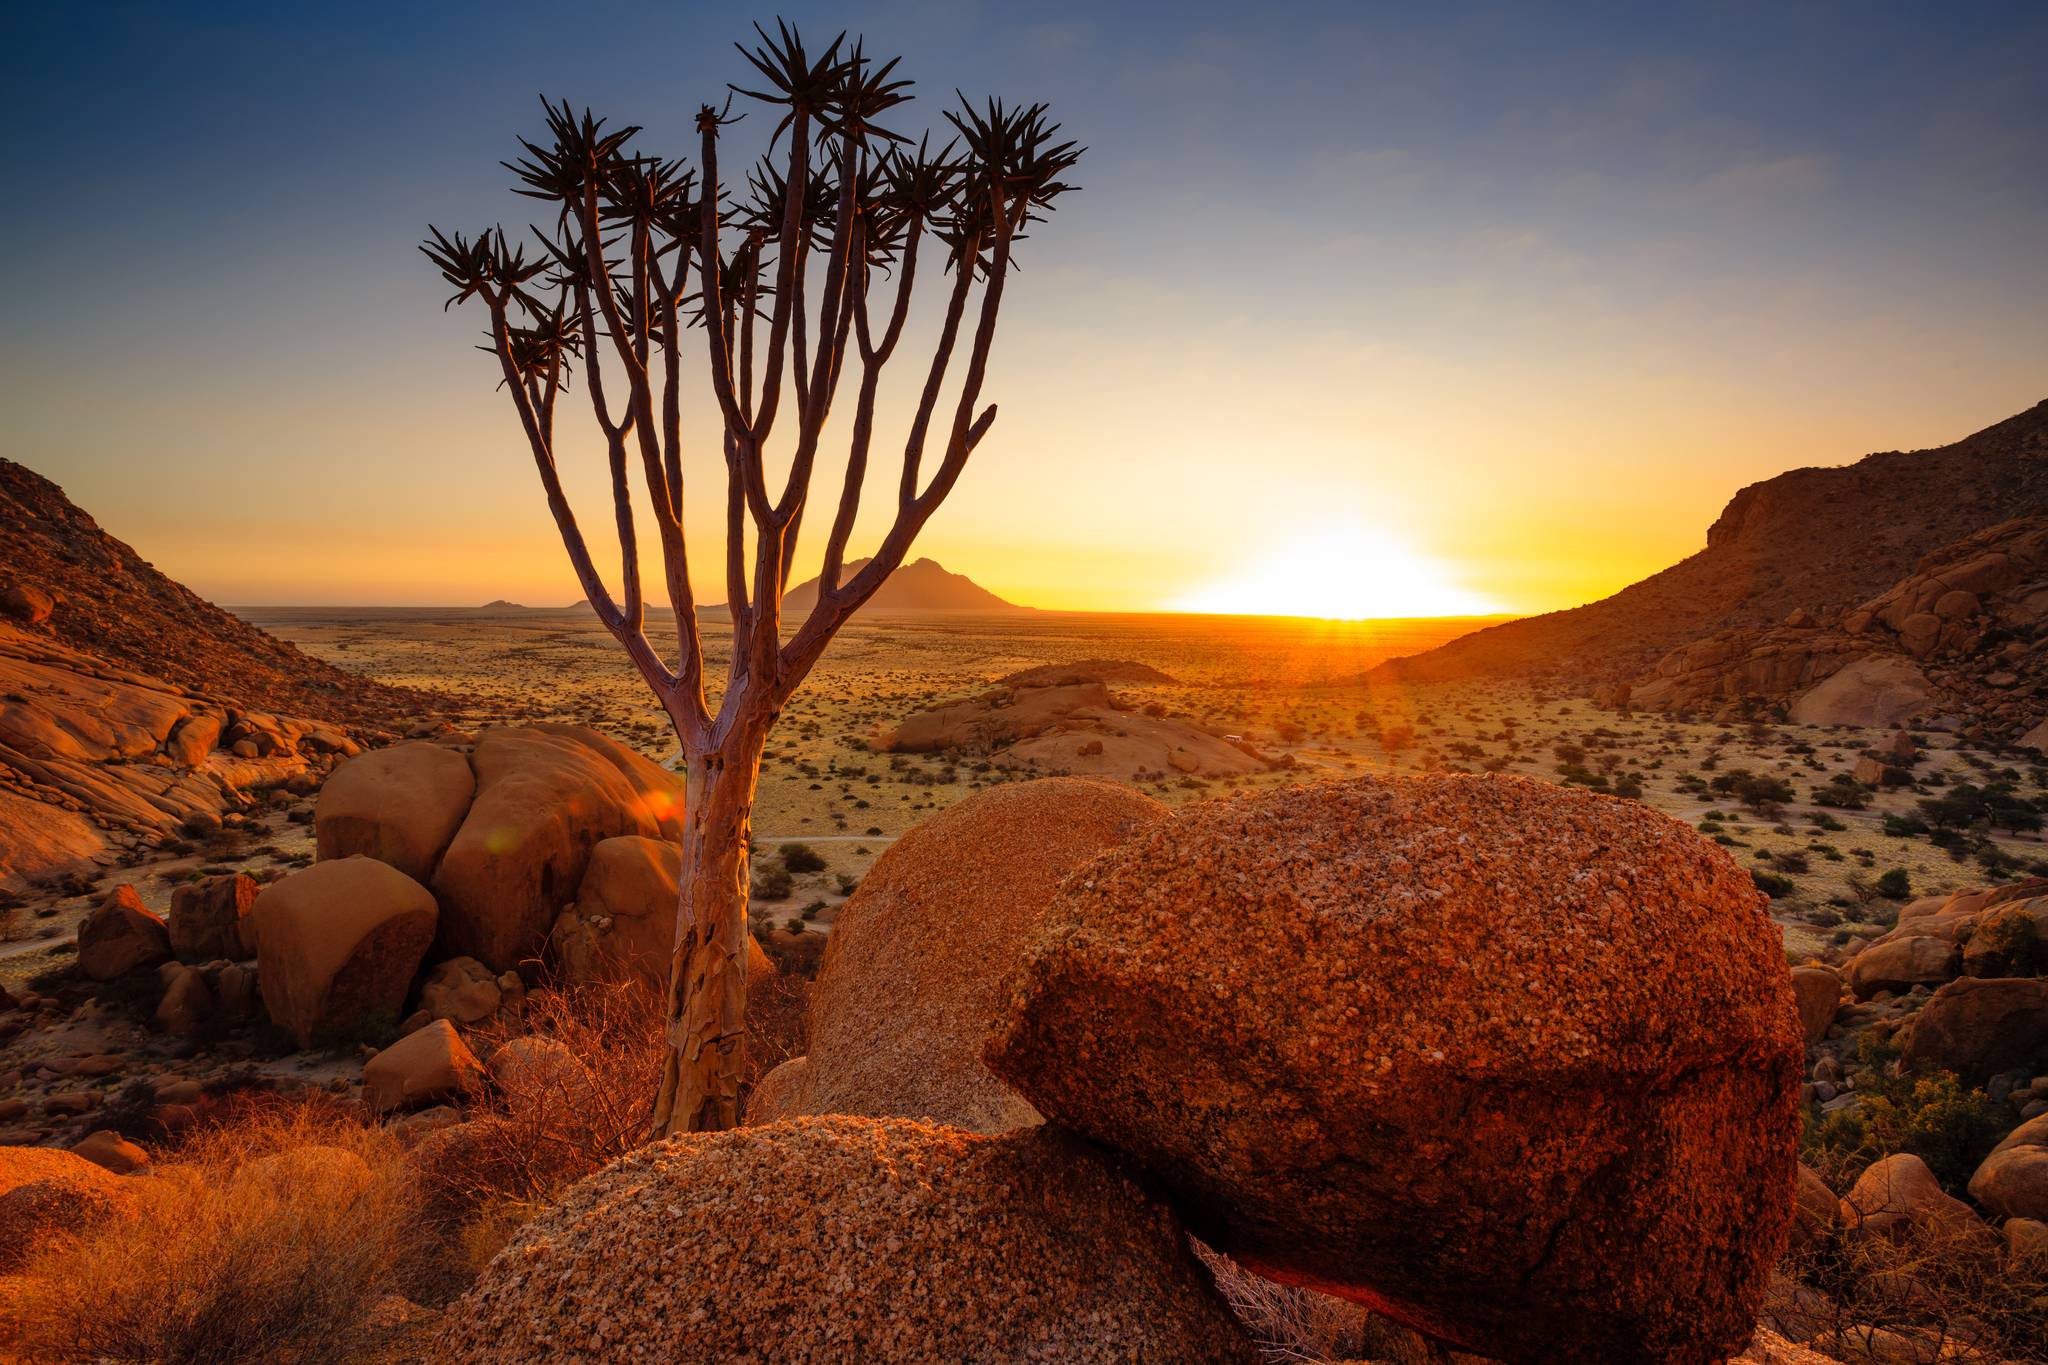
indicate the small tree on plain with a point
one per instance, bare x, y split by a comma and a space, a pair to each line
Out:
775, 280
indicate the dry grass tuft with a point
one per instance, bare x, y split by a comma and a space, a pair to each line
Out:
269, 1239
1937, 1295
1294, 1326
581, 1101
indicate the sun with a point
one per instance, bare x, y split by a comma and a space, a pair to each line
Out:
1344, 572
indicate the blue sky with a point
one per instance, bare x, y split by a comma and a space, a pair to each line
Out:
1534, 288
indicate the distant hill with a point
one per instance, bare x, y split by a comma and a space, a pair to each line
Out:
500, 604
109, 602
1821, 539
922, 585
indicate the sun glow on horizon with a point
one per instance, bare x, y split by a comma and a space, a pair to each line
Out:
1344, 572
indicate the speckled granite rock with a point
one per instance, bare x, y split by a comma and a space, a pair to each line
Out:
849, 1239
1515, 1064
914, 971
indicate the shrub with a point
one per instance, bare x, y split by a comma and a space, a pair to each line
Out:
269, 1238
772, 882
800, 858
1935, 1117
1895, 884
1772, 885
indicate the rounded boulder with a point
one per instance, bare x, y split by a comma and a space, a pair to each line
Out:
400, 805
545, 796
45, 1192
915, 969
848, 1239
337, 946
1514, 1064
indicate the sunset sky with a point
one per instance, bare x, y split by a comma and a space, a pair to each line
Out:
1458, 307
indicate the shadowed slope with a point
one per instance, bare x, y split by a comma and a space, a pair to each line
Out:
1822, 539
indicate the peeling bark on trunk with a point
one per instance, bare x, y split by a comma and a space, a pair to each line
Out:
707, 992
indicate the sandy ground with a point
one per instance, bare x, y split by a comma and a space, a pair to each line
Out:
1286, 685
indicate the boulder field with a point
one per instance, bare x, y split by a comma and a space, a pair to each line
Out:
1518, 1066
1514, 1064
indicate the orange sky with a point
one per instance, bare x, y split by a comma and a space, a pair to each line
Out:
1472, 305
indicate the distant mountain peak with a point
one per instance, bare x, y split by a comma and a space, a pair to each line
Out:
921, 585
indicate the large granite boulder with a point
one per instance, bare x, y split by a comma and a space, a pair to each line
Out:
1980, 1026
545, 796
1515, 1064
337, 946
400, 805
913, 976
848, 1239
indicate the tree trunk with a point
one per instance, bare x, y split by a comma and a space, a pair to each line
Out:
707, 989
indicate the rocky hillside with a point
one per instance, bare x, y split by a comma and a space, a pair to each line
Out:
1819, 539
70, 580
921, 585
1958, 641
131, 710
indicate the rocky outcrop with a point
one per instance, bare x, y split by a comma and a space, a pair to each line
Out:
338, 945
546, 795
914, 972
1441, 1045
848, 1239
95, 759
1953, 638
1070, 728
108, 602
130, 708
400, 805
1938, 938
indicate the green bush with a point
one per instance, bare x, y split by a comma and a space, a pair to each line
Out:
1934, 1117
1895, 884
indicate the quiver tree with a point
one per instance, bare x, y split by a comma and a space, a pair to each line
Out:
784, 281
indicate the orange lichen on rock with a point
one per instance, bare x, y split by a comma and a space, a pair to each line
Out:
1516, 1064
